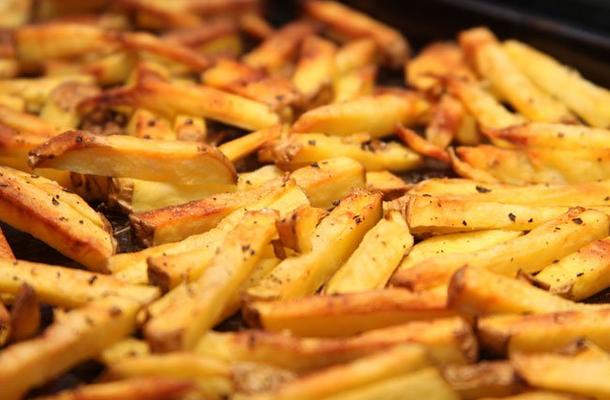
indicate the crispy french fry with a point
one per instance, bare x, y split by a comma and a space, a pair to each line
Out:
315, 68
349, 23
295, 230
448, 119
542, 135
159, 388
5, 325
529, 253
67, 287
375, 115
82, 334
354, 84
298, 150
492, 62
553, 371
537, 165
386, 182
5, 248
146, 125
61, 108
466, 170
346, 314
123, 156
538, 395
26, 123
256, 178
487, 378
248, 144
448, 341
125, 349
547, 331
356, 375
421, 145
335, 238
255, 25
377, 256
590, 102
476, 291
190, 128
25, 314
355, 55
182, 323
465, 242
63, 220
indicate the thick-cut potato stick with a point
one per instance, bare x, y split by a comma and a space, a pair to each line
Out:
279, 48
434, 63
136, 195
298, 150
315, 68
586, 194
112, 69
349, 23
583, 373
5, 248
198, 309
295, 230
64, 221
248, 144
543, 332
448, 340
538, 165
25, 123
82, 334
488, 111
386, 182
539, 395
375, 259
36, 91
354, 84
590, 102
61, 108
487, 378
438, 215
347, 314
190, 128
495, 65
465, 242
212, 376
447, 120
146, 125
255, 25
476, 291
466, 170
355, 55
125, 349
67, 287
352, 376
12, 102
375, 115
580, 274
529, 253
421, 145
5, 325
256, 178
174, 223
130, 157
25, 314
335, 238
424, 384
543, 135
159, 388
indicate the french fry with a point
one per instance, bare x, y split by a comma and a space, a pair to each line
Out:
427, 383
579, 275
349, 23
26, 123
465, 170
82, 334
67, 287
494, 64
130, 157
421, 145
484, 379
335, 238
355, 55
386, 182
295, 230
63, 220
549, 331
211, 377
434, 63
255, 25
25, 314
61, 108
358, 374
539, 395
346, 314
354, 84
375, 115
375, 259
448, 119
542, 135
589, 101
125, 349
5, 248
315, 67
448, 341
190, 128
476, 291
198, 309
529, 253
488, 112
5, 325
129, 389
537, 165
279, 48
256, 178
557, 371
455, 243
146, 125
298, 150
248, 144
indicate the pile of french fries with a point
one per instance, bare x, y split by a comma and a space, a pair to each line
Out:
281, 253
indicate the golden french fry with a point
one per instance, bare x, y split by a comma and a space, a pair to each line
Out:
26, 123
346, 314
316, 67
123, 350
5, 325
449, 118
386, 182
5, 248
543, 135
484, 379
355, 54
354, 84
295, 230
25, 314
421, 145
256, 178
249, 143
190, 128
539, 395
146, 125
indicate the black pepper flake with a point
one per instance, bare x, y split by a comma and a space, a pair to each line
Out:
54, 201
245, 248
315, 165
530, 220
577, 221
357, 219
115, 311
464, 223
607, 198
512, 217
311, 142
79, 139
578, 275
81, 222
92, 280
482, 189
